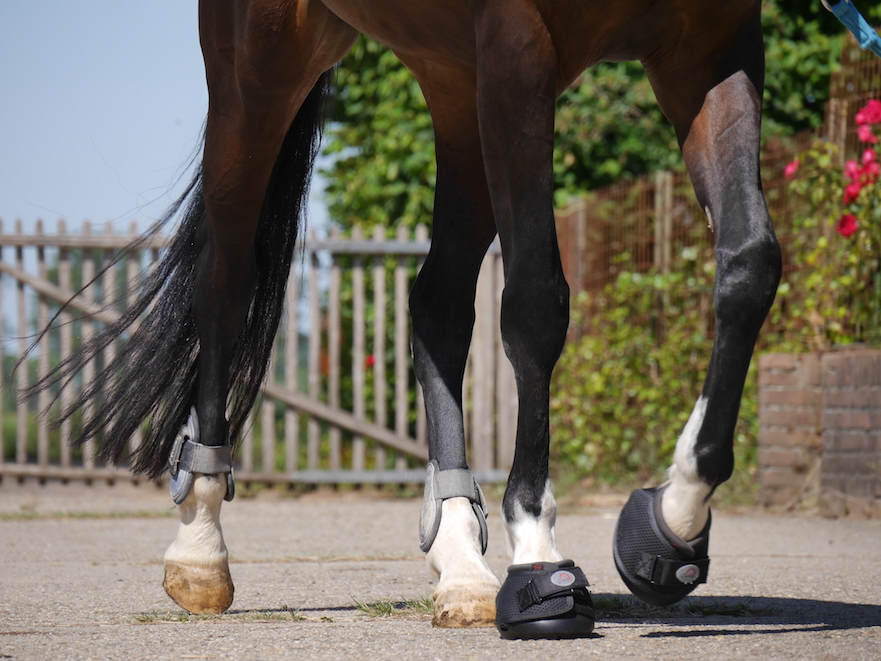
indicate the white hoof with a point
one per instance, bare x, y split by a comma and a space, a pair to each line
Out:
197, 563
466, 592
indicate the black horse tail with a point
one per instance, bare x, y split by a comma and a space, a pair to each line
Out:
151, 383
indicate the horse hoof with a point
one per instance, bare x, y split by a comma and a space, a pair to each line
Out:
465, 607
199, 590
657, 566
545, 600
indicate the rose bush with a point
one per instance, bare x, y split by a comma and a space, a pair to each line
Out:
835, 296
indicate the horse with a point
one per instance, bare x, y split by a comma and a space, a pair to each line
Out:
200, 333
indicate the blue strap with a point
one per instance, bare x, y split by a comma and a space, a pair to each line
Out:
853, 20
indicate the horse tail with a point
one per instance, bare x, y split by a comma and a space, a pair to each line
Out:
151, 383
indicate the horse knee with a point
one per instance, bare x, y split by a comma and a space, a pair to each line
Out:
534, 322
746, 282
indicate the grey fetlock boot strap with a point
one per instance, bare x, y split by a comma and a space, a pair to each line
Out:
440, 486
188, 456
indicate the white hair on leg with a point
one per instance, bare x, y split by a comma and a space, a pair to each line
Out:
532, 539
684, 502
466, 592
196, 564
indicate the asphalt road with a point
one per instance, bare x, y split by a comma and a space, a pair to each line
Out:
81, 572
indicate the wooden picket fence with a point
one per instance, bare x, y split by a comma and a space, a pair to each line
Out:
341, 403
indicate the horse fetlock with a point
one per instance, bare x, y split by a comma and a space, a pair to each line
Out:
685, 507
532, 538
685, 500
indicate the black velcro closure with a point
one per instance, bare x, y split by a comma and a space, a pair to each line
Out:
671, 573
558, 583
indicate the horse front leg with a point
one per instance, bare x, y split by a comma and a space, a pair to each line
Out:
543, 595
453, 532
662, 537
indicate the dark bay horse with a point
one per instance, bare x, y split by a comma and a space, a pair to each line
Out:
491, 71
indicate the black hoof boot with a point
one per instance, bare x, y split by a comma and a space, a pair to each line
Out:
545, 600
657, 566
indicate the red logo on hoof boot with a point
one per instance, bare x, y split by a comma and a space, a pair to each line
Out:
562, 578
688, 574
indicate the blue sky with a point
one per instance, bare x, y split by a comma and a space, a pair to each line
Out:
101, 105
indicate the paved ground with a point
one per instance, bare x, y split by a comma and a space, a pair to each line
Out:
81, 571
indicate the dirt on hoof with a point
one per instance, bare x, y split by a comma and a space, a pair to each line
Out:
457, 614
199, 590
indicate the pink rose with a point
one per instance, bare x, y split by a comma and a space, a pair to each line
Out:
791, 168
851, 170
847, 225
864, 133
872, 111
852, 192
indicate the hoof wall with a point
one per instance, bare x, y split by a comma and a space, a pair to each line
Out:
657, 566
545, 600
464, 608
199, 590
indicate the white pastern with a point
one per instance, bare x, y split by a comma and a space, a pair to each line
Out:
684, 504
466, 592
199, 541
196, 564
532, 539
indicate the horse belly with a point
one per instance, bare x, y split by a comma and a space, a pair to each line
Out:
435, 30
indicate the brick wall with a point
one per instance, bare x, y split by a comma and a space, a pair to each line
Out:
820, 437
851, 419
790, 438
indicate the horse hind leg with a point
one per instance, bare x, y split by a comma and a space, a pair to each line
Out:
261, 137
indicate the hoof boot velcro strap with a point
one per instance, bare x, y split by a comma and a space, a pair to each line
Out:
560, 583
671, 573
443, 485
188, 456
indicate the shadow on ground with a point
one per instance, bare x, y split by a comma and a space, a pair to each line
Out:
775, 615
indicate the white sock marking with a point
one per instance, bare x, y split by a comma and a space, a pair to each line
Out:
456, 557
532, 539
199, 541
684, 503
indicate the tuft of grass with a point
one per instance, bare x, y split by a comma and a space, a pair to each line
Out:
611, 607
417, 608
